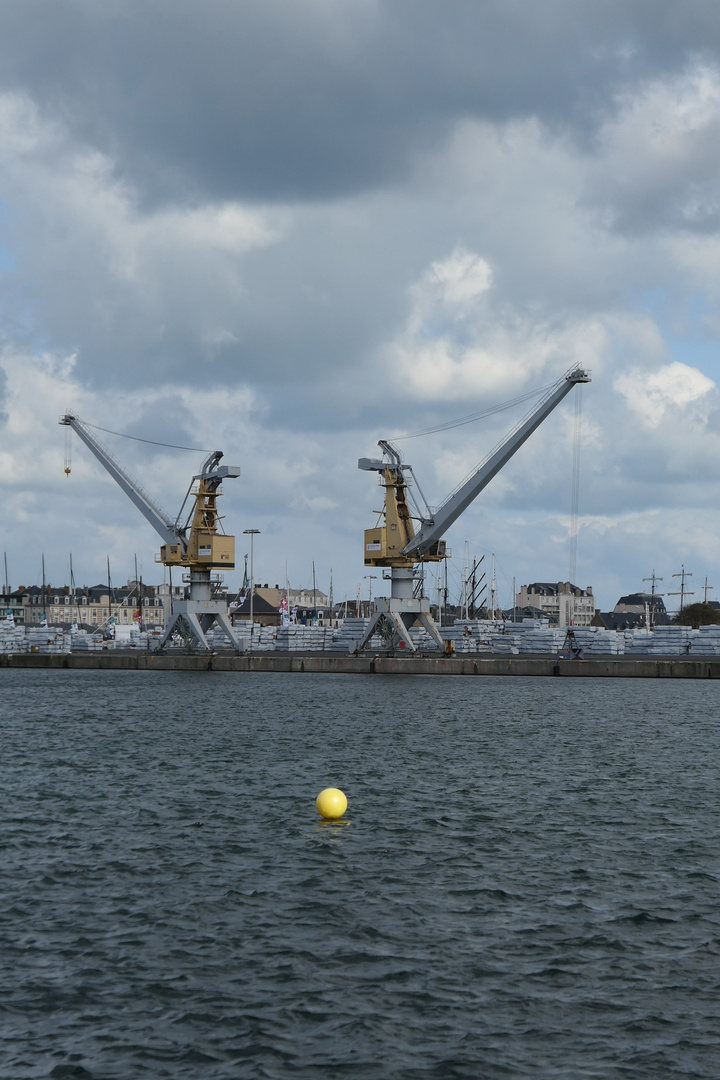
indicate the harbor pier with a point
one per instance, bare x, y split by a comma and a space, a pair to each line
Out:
623, 667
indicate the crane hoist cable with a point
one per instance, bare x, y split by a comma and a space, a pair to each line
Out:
152, 442
462, 420
67, 464
575, 492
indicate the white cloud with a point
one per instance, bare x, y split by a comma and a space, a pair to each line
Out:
671, 392
461, 343
459, 280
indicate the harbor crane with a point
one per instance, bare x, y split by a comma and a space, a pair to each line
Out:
198, 545
399, 546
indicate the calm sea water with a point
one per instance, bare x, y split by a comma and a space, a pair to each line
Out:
525, 883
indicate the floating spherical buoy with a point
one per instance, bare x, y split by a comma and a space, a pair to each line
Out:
331, 803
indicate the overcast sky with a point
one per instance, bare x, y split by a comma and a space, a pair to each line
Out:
288, 229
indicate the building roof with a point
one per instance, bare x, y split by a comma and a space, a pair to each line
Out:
637, 601
260, 606
627, 620
551, 588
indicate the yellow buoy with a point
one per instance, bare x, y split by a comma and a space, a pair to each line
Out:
331, 803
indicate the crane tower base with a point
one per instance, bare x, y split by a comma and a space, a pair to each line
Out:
199, 616
399, 614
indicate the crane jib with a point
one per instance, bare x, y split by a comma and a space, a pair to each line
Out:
395, 543
200, 543
160, 521
468, 490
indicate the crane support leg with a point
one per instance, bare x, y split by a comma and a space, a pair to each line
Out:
426, 620
401, 621
401, 611
399, 628
224, 623
197, 629
198, 619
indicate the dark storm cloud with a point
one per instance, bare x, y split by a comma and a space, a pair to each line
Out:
307, 99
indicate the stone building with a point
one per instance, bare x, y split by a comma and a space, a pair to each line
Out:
298, 598
634, 610
94, 607
562, 603
263, 613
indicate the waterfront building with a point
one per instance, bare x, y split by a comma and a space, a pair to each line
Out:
297, 598
263, 613
561, 603
639, 609
304, 605
93, 607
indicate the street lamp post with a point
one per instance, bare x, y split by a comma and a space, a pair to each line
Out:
370, 578
252, 533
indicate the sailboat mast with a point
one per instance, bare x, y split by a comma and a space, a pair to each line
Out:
314, 596
138, 609
73, 602
110, 619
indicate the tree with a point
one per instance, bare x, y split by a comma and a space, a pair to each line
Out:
696, 615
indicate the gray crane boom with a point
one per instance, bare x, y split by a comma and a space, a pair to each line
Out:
160, 521
431, 530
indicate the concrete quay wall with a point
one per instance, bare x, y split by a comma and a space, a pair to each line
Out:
595, 667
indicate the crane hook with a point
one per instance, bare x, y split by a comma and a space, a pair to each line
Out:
68, 444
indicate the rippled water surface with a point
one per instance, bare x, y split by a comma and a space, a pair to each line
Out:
525, 883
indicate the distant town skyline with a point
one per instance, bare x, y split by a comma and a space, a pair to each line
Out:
682, 585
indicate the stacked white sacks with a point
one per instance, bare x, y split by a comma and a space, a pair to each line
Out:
528, 636
707, 642
638, 640
676, 641
12, 638
81, 641
47, 639
596, 639
473, 637
672, 640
